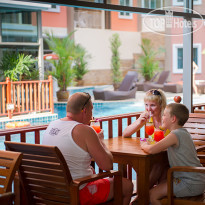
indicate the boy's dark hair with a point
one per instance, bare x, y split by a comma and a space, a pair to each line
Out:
180, 111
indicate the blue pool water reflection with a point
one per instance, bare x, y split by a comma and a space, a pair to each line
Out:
105, 109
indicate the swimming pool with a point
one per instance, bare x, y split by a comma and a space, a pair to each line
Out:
105, 108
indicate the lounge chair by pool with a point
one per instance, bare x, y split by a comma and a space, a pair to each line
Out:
126, 90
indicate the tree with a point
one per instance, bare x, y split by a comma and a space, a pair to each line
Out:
115, 60
81, 62
148, 64
65, 50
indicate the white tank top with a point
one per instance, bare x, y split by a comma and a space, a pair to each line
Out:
59, 133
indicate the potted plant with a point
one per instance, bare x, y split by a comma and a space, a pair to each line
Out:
65, 50
17, 66
115, 60
81, 63
148, 65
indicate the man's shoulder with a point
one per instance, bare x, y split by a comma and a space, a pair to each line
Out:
83, 128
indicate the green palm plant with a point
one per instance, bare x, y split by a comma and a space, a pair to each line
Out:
148, 64
81, 62
65, 50
16, 66
115, 60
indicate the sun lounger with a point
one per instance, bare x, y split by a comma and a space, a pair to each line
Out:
126, 90
160, 82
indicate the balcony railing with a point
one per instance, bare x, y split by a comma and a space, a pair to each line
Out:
106, 124
26, 96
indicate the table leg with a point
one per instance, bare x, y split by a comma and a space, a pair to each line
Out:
143, 173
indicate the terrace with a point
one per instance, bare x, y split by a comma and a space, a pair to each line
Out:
43, 102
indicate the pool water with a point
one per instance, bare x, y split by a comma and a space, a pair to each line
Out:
105, 109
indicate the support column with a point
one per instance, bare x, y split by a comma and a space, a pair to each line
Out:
40, 48
187, 60
70, 19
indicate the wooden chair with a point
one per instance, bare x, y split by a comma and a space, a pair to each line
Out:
196, 127
46, 178
9, 163
7, 198
171, 200
196, 200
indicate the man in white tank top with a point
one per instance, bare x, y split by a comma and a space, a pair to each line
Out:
79, 143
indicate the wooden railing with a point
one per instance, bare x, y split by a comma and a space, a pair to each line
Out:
26, 96
106, 123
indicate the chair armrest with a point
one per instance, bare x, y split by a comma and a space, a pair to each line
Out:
117, 185
170, 178
200, 148
95, 177
6, 198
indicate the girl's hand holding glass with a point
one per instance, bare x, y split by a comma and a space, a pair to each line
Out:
143, 117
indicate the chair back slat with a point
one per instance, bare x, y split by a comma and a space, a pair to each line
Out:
42, 170
48, 202
44, 177
44, 173
9, 163
48, 190
196, 127
40, 158
40, 164
50, 184
51, 197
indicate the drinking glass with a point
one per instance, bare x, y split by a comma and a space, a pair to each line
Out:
158, 135
95, 124
149, 128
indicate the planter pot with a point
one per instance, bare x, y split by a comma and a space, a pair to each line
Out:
79, 82
116, 86
62, 96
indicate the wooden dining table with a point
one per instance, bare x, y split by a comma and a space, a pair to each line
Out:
127, 151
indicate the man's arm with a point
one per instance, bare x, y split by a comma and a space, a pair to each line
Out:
88, 140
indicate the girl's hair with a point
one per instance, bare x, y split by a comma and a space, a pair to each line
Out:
158, 96
180, 111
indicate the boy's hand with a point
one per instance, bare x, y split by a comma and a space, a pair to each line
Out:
143, 144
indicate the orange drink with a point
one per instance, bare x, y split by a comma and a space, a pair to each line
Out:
96, 128
149, 128
95, 124
158, 135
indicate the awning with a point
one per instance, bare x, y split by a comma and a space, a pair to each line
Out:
24, 5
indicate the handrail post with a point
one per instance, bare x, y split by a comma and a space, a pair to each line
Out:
8, 95
51, 93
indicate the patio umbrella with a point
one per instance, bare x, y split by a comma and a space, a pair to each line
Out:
50, 56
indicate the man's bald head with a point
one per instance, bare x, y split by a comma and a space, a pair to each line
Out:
77, 102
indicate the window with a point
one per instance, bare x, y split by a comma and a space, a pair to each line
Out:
152, 4
181, 2
54, 8
178, 57
122, 14
17, 18
19, 26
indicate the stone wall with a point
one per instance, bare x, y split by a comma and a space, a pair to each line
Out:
101, 77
